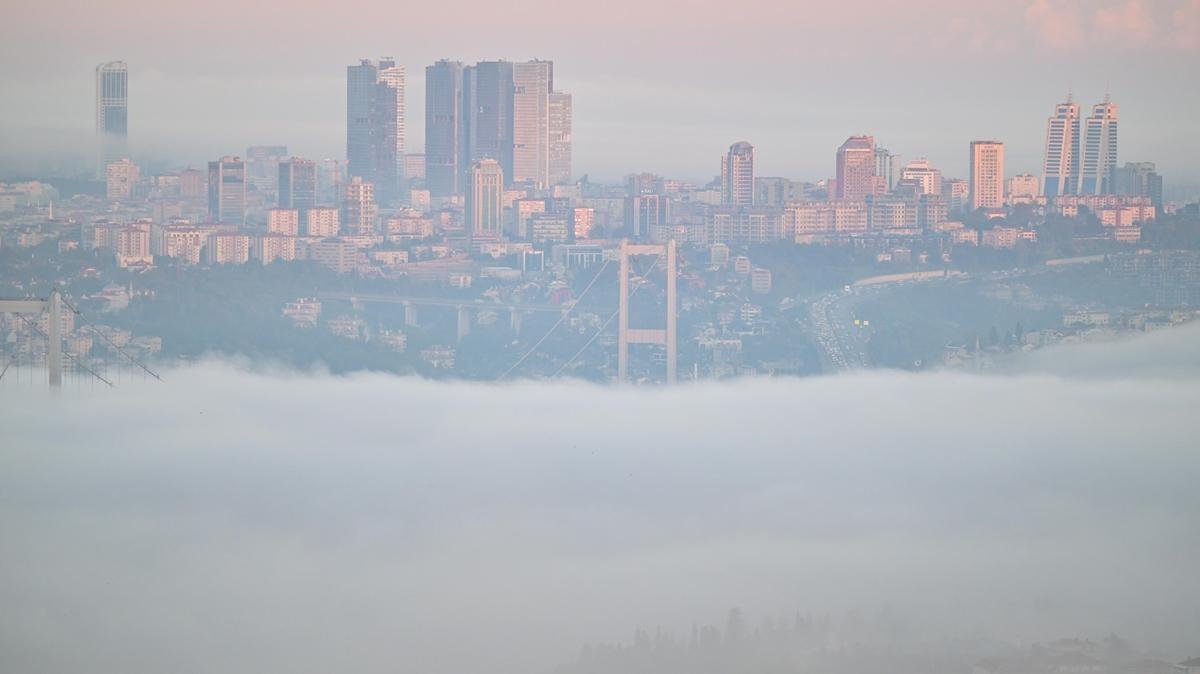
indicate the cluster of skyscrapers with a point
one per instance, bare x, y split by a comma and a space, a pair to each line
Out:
495, 110
1081, 154
498, 126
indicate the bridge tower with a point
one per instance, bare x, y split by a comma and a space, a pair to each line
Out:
627, 335
52, 305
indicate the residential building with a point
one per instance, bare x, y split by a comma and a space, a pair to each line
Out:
323, 222
283, 221
987, 174
737, 175
359, 210
120, 179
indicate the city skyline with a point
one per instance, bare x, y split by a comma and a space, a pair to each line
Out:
792, 125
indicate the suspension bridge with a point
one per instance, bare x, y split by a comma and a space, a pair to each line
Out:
53, 308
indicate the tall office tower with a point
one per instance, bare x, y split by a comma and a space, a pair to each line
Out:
389, 131
359, 211
297, 186
644, 211
361, 81
737, 175
443, 127
375, 124
331, 175
1060, 168
488, 116
1140, 179
262, 166
855, 169
532, 83
227, 190
987, 174
112, 113
560, 138
885, 169
924, 175
485, 200
1097, 175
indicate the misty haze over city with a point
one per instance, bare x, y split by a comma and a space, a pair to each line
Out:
608, 338
305, 523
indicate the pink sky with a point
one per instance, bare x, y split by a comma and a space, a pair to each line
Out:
660, 85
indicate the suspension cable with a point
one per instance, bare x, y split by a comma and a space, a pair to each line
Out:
557, 323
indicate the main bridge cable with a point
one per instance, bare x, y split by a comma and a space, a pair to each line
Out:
557, 323
607, 323
66, 353
111, 343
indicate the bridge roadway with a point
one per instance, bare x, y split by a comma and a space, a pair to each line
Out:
464, 307
444, 302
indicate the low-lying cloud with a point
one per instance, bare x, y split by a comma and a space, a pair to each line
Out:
235, 521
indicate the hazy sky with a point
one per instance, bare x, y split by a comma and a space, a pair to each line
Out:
235, 522
662, 86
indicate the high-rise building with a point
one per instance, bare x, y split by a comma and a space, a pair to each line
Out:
361, 81
987, 174
532, 83
922, 173
443, 127
375, 124
390, 131
120, 177
359, 211
956, 192
1097, 174
560, 137
644, 211
227, 190
488, 115
1060, 167
297, 186
1140, 179
112, 112
485, 200
855, 169
885, 169
737, 175
262, 167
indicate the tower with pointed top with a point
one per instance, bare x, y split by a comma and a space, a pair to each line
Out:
1060, 166
1097, 173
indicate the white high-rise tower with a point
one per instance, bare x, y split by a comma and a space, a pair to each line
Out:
1060, 168
1098, 173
